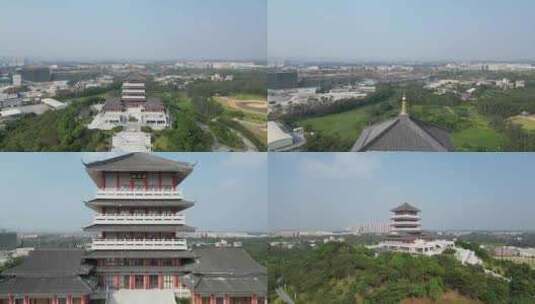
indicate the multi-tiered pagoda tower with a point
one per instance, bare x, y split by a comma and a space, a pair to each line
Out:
139, 224
405, 223
133, 92
132, 109
406, 234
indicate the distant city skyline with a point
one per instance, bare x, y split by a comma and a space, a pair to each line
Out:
401, 30
45, 192
134, 30
460, 191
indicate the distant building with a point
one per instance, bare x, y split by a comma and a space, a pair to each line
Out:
8, 240
520, 84
36, 74
281, 80
403, 133
406, 234
54, 104
139, 253
17, 80
132, 108
277, 137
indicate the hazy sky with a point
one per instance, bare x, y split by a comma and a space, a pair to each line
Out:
401, 29
488, 191
134, 29
45, 191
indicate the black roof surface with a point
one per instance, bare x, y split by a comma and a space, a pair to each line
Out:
72, 285
139, 228
48, 272
51, 263
403, 133
235, 286
405, 207
226, 260
118, 202
140, 162
226, 271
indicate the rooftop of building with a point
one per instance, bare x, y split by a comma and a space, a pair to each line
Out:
97, 203
231, 271
46, 272
140, 162
405, 207
51, 263
276, 133
403, 133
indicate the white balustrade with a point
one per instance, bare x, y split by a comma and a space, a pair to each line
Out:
406, 228
139, 244
178, 219
139, 192
405, 216
182, 293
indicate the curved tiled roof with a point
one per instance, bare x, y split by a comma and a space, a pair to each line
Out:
403, 133
139, 228
405, 207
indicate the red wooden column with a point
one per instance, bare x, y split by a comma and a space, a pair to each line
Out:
55, 300
69, 299
174, 181
10, 299
116, 282
176, 282
160, 281
146, 281
83, 300
226, 300
26, 300
254, 300
212, 299
132, 282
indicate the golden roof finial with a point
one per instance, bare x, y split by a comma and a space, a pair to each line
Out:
404, 107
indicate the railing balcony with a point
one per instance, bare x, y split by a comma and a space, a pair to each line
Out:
182, 293
139, 244
177, 219
139, 192
406, 229
406, 216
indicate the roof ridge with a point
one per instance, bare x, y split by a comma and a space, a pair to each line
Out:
393, 122
421, 129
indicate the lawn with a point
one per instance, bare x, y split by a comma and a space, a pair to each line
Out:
527, 122
248, 97
346, 125
473, 132
480, 136
519, 260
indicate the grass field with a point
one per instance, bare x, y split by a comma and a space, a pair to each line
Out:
474, 133
252, 110
478, 136
519, 260
450, 297
471, 132
527, 122
346, 125
249, 97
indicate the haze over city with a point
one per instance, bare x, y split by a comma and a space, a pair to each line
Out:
320, 191
134, 30
390, 30
44, 192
